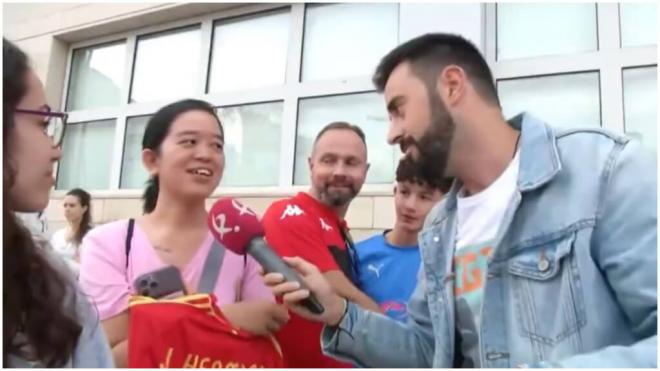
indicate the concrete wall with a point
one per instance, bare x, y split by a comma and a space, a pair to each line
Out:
46, 30
367, 215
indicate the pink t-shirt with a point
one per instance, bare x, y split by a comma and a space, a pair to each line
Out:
106, 280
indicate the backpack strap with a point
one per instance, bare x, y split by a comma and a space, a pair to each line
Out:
211, 270
129, 237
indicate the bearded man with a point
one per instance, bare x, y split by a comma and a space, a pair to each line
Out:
543, 253
311, 225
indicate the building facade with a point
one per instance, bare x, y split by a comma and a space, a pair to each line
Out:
278, 72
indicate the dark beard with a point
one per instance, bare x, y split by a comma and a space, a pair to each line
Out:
336, 199
435, 144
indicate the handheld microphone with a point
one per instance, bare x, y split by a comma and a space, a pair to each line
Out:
237, 228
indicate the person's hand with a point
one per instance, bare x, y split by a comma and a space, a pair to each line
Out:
260, 317
292, 294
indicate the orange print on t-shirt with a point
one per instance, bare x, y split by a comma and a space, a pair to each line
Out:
469, 268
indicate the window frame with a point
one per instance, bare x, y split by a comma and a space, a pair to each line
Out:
289, 93
564, 74
497, 38
623, 70
57, 168
609, 60
295, 149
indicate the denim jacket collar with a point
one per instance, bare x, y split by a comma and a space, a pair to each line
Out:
539, 160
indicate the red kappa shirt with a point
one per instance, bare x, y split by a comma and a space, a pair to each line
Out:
302, 226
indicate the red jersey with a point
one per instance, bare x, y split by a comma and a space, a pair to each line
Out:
302, 226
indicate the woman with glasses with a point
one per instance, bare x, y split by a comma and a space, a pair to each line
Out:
47, 321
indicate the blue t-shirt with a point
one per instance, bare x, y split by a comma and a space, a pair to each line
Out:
388, 274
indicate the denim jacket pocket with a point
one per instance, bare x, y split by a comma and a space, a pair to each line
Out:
547, 293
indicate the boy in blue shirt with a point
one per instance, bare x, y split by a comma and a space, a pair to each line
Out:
389, 261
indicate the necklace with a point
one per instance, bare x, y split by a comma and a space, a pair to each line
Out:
162, 249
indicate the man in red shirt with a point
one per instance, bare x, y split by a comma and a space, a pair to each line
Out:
311, 225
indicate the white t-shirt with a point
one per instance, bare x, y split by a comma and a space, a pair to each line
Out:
479, 220
68, 250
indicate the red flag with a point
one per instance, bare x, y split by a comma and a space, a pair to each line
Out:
191, 332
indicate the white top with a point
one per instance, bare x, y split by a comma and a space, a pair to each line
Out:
479, 220
68, 250
480, 215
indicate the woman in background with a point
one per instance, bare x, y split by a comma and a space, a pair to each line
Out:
78, 213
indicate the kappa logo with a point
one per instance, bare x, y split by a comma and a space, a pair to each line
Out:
291, 210
325, 226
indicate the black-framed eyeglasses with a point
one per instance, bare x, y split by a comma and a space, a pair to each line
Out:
56, 123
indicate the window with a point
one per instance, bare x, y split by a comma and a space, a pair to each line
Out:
544, 57
167, 66
344, 40
239, 63
133, 173
86, 155
537, 29
97, 75
640, 98
366, 110
252, 144
252, 141
639, 24
241, 48
560, 100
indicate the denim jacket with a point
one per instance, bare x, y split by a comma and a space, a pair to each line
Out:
572, 280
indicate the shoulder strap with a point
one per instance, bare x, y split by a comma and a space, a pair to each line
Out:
211, 270
351, 254
129, 237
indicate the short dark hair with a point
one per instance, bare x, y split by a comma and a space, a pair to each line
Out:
410, 171
341, 125
429, 54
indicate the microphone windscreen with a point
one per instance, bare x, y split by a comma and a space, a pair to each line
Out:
233, 224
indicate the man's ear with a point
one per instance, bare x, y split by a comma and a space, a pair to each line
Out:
451, 84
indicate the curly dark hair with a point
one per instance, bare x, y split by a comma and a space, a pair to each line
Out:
35, 295
411, 171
